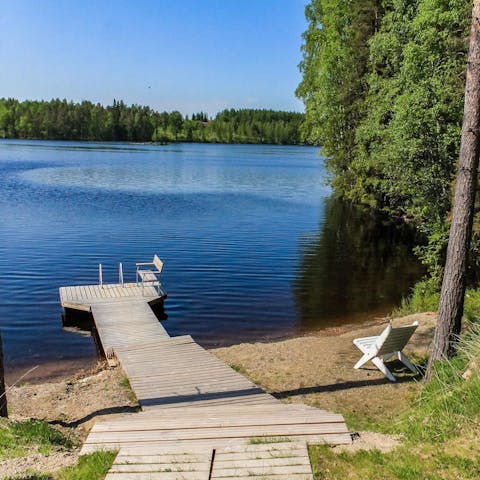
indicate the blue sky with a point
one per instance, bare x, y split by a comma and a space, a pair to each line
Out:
189, 55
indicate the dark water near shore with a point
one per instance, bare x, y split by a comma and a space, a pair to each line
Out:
253, 244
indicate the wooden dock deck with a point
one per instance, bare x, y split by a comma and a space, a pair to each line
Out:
200, 419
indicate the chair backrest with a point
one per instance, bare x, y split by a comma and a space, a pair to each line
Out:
158, 263
394, 339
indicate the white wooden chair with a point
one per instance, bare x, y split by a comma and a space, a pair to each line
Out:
389, 343
149, 276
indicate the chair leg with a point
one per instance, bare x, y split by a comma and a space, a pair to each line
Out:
383, 368
366, 357
406, 362
388, 356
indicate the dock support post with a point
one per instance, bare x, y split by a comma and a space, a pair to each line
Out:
100, 275
3, 393
120, 274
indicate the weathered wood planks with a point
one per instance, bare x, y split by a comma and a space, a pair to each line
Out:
176, 372
276, 461
219, 426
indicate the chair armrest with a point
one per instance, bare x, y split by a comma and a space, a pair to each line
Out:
144, 264
365, 342
365, 339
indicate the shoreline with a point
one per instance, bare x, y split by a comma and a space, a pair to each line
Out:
55, 370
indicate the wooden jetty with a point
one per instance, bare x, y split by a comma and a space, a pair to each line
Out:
200, 419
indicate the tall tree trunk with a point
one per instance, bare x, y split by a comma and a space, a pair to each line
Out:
452, 296
3, 397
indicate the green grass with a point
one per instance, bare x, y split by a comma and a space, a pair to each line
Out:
125, 384
238, 368
359, 421
425, 297
16, 438
449, 405
89, 467
403, 463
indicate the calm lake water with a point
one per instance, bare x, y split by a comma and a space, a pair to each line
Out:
253, 244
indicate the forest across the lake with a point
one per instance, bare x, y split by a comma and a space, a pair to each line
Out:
65, 120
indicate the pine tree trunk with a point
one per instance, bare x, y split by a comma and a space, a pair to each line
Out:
3, 397
454, 279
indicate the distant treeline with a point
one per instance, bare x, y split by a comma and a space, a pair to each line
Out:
62, 120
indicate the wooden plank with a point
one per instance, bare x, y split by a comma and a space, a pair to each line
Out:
158, 476
176, 423
248, 432
163, 458
160, 467
270, 476
145, 447
261, 471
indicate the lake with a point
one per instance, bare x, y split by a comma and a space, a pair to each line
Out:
254, 245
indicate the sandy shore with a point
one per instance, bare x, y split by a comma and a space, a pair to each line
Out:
317, 369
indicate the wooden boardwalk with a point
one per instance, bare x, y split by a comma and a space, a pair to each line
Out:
200, 419
280, 460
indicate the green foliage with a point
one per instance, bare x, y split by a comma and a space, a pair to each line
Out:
383, 88
62, 120
17, 437
335, 58
408, 141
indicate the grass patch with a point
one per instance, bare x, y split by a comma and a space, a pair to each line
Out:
472, 305
425, 297
421, 463
403, 463
358, 421
89, 467
125, 384
238, 368
16, 438
449, 405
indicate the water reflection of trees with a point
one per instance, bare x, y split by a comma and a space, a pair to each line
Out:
357, 264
